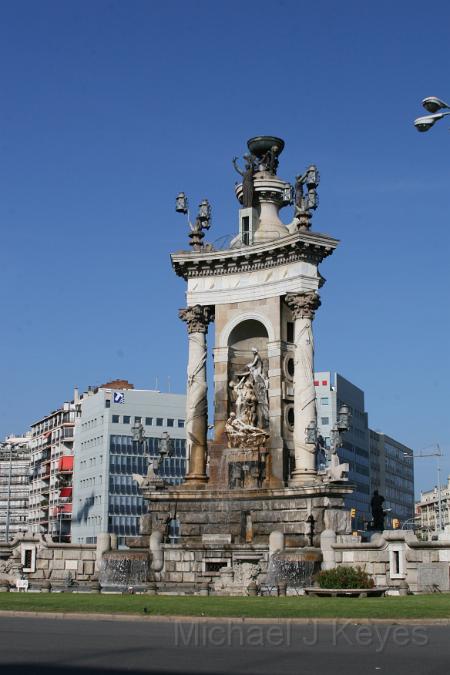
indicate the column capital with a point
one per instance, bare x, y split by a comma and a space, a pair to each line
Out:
303, 305
197, 317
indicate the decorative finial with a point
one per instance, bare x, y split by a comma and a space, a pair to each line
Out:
306, 201
265, 150
202, 222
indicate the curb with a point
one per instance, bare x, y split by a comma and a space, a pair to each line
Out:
221, 619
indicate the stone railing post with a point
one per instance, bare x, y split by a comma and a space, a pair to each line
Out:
197, 319
303, 307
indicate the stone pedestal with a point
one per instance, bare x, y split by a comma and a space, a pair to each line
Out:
272, 193
226, 512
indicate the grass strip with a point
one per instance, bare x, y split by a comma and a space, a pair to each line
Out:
435, 606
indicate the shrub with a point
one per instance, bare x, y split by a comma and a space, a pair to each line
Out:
345, 577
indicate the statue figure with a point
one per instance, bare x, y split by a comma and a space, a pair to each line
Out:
376, 505
151, 480
336, 471
249, 394
138, 433
10, 570
247, 180
321, 453
256, 366
269, 161
237, 389
165, 447
243, 435
250, 404
260, 385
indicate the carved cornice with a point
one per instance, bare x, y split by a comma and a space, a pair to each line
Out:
197, 317
303, 305
301, 246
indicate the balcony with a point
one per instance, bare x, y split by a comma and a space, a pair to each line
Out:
64, 481
62, 511
65, 464
67, 432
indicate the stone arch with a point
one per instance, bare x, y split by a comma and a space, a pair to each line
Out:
249, 329
253, 316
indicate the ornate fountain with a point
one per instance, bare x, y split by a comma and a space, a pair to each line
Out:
258, 480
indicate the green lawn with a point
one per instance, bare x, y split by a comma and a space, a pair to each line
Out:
411, 607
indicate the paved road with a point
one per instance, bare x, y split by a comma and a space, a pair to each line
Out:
51, 646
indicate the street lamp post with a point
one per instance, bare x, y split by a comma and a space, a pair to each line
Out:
438, 454
344, 418
433, 105
165, 448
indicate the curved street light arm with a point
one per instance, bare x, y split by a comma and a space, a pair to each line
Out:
433, 104
427, 121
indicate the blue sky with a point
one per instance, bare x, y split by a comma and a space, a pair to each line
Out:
108, 109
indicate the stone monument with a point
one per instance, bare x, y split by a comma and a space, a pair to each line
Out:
258, 480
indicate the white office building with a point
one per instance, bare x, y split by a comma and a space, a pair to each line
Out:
332, 391
105, 496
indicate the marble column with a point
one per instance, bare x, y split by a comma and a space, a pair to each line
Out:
303, 306
197, 319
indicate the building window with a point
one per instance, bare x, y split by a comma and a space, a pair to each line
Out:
325, 420
324, 400
148, 421
396, 563
290, 331
246, 230
29, 559
173, 530
115, 419
181, 424
290, 365
290, 416
126, 419
159, 421
137, 420
107, 403
170, 422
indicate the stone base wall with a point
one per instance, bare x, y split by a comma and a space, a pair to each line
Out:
248, 516
40, 561
202, 563
394, 558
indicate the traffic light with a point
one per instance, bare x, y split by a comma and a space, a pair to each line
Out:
353, 513
395, 523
